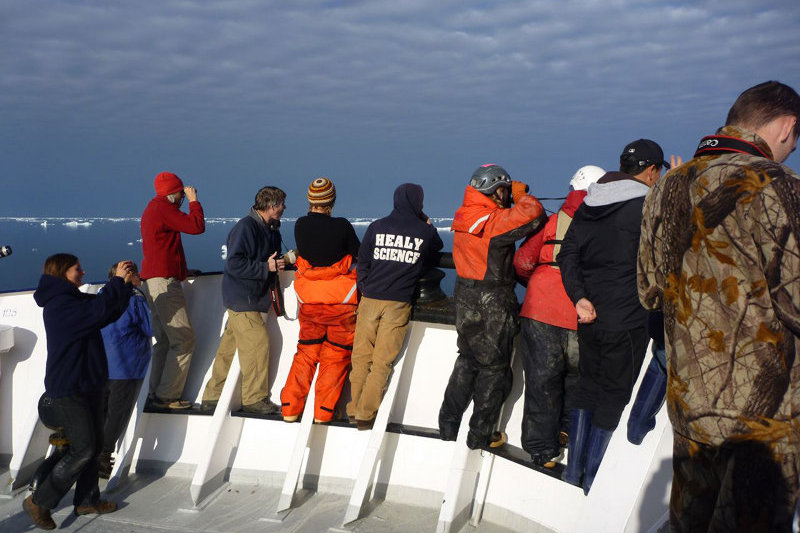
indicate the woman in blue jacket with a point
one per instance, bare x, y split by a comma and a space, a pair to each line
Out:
75, 376
128, 344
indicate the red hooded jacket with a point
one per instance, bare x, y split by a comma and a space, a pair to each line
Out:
546, 300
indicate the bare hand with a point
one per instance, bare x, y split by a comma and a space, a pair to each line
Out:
124, 270
586, 311
191, 193
675, 161
274, 264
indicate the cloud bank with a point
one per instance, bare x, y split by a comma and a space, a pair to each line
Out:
96, 92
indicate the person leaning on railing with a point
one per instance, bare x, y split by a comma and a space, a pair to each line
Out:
325, 286
486, 229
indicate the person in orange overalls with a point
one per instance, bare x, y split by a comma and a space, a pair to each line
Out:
325, 284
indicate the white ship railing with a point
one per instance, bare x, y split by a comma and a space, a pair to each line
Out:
399, 460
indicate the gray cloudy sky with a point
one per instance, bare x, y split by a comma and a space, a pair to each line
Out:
96, 97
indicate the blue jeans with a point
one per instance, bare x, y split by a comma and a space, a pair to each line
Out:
81, 416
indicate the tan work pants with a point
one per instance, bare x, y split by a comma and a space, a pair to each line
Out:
247, 332
174, 335
381, 327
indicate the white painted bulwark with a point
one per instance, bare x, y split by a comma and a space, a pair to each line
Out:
630, 492
6, 338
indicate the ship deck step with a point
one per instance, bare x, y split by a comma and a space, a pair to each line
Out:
152, 503
511, 453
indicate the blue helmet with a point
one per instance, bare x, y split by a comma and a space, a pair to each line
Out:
489, 177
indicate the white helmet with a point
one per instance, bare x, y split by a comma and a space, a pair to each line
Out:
585, 176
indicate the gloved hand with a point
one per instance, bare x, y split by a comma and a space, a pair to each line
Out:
518, 190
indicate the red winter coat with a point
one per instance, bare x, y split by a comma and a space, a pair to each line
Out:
162, 225
486, 235
546, 300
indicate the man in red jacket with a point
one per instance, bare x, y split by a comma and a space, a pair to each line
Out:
486, 230
163, 270
549, 347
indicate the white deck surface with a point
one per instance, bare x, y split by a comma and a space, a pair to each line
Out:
150, 504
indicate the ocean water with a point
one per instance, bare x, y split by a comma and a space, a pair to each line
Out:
100, 242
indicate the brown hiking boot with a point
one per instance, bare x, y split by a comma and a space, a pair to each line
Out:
364, 425
171, 404
101, 507
209, 406
545, 460
40, 515
262, 407
498, 439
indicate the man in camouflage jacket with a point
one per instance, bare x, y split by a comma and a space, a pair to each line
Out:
720, 253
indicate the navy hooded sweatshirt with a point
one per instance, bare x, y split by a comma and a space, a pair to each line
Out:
397, 249
76, 358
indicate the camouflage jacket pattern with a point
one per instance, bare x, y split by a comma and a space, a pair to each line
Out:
720, 251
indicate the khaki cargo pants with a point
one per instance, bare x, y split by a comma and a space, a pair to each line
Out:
381, 327
174, 335
247, 332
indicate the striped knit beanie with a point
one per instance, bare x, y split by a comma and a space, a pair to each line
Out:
321, 193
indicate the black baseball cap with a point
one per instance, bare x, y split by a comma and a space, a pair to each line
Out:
645, 153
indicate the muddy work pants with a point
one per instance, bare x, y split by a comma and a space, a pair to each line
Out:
326, 338
486, 323
550, 362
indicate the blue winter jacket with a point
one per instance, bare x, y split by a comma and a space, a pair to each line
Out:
128, 341
246, 278
76, 359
